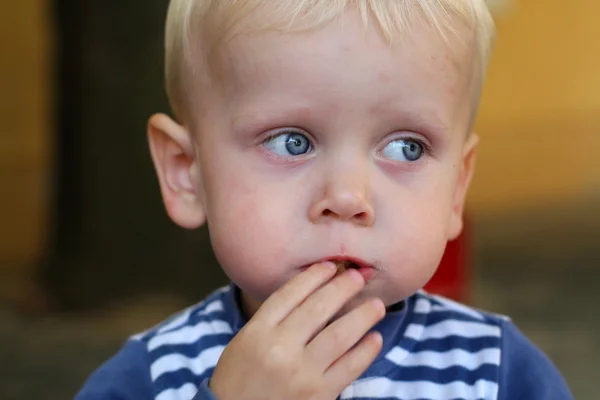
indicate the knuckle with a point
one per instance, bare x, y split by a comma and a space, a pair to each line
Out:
338, 337
277, 358
318, 309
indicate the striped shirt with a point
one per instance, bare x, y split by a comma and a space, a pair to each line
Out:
433, 349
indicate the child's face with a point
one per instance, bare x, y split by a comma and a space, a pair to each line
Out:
331, 144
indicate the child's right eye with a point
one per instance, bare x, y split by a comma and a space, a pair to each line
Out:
289, 143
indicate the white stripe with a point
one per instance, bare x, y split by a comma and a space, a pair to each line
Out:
174, 362
182, 318
186, 392
384, 387
177, 322
139, 336
454, 306
438, 308
441, 360
190, 334
215, 306
414, 331
452, 327
422, 306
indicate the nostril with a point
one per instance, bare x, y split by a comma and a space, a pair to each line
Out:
362, 216
328, 213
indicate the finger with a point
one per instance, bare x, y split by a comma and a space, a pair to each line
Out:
287, 298
356, 361
339, 337
319, 308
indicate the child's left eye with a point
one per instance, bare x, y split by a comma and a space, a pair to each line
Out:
409, 150
289, 143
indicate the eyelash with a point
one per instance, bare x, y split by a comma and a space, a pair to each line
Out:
286, 132
283, 132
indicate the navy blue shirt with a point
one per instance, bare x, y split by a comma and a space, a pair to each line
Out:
433, 349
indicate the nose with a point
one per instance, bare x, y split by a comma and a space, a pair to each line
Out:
345, 198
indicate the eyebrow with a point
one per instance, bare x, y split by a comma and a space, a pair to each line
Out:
430, 122
417, 118
422, 117
259, 118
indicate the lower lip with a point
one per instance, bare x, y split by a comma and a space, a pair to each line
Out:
367, 273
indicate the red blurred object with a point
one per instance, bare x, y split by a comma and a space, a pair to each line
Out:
453, 277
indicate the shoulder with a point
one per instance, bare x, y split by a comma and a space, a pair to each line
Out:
438, 349
211, 312
124, 376
487, 345
172, 356
527, 373
185, 349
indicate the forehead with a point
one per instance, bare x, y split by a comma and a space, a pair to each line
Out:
344, 57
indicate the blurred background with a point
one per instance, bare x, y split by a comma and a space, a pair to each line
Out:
88, 255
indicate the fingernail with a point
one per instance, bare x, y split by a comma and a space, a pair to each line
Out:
378, 304
356, 275
330, 265
377, 337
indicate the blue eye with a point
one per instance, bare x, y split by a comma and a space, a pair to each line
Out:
288, 144
404, 150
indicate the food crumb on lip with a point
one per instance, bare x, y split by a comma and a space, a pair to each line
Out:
341, 266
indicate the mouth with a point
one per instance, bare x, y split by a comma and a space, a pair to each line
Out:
366, 270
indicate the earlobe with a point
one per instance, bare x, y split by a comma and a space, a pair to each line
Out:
464, 180
172, 151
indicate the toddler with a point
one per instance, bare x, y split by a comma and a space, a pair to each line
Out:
328, 145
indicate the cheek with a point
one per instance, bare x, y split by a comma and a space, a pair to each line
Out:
419, 234
416, 228
423, 205
249, 239
415, 253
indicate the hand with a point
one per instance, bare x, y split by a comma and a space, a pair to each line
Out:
289, 351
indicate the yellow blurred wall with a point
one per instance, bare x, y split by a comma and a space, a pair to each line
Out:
24, 137
540, 117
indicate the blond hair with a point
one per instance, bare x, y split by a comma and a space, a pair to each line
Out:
209, 21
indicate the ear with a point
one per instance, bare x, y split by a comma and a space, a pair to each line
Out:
173, 155
464, 180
